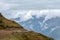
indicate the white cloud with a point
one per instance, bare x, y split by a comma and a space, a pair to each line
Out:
27, 14
30, 4
52, 14
3, 6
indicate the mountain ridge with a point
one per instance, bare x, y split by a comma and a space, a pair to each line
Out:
8, 23
9, 28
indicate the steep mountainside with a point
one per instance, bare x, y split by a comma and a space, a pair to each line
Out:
5, 23
17, 32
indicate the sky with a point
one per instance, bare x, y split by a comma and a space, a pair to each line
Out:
11, 7
29, 4
28, 14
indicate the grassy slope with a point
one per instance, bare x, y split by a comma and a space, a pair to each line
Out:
26, 36
8, 23
17, 35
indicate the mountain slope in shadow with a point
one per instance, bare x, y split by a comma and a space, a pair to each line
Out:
10, 30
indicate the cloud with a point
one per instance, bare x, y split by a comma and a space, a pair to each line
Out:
3, 6
28, 14
52, 14
29, 4
13, 7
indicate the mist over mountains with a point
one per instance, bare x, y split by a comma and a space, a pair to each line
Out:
41, 21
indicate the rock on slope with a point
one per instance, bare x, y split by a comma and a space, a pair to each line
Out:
17, 32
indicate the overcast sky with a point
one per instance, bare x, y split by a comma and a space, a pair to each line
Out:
8, 7
29, 4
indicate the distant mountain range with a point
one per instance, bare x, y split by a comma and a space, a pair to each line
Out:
10, 30
49, 27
